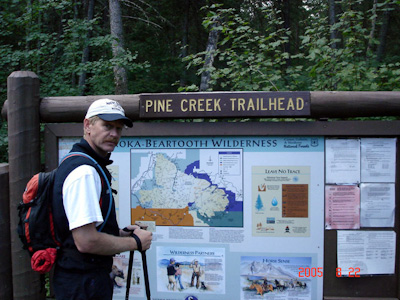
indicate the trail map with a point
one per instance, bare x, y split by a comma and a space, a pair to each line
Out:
187, 187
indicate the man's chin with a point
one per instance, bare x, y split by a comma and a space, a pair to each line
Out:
111, 145
109, 148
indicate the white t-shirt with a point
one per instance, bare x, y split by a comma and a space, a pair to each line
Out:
81, 194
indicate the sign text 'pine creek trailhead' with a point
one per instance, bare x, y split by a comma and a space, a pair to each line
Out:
225, 104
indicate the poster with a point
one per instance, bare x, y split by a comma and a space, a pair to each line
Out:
201, 269
187, 187
377, 204
199, 194
342, 208
378, 159
119, 276
281, 198
343, 161
365, 252
277, 277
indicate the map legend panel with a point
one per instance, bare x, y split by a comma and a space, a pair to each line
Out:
230, 163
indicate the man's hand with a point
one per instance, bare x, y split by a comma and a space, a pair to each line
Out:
139, 230
145, 237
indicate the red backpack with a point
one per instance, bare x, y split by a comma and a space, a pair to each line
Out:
36, 226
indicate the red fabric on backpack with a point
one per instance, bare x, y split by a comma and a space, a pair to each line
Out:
43, 260
31, 189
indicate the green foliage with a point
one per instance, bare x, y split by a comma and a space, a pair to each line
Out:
349, 67
262, 45
250, 59
49, 38
246, 59
52, 38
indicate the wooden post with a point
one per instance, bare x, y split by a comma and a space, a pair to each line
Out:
24, 161
5, 244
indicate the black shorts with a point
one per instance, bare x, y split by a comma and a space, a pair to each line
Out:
82, 285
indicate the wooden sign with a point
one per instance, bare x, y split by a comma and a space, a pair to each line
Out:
225, 104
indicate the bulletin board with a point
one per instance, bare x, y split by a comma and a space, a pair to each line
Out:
246, 200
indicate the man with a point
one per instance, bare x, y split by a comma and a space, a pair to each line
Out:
81, 203
196, 273
171, 275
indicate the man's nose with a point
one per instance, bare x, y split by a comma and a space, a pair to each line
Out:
114, 132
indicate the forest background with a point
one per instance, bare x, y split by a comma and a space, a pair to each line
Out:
88, 47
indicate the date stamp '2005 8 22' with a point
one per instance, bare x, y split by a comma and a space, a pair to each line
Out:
318, 272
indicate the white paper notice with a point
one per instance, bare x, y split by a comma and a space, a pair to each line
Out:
365, 252
342, 161
378, 159
377, 204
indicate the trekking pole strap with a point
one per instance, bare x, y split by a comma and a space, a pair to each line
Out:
138, 242
137, 239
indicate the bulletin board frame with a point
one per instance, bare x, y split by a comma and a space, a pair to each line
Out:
366, 287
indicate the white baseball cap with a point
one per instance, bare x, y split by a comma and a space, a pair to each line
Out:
108, 110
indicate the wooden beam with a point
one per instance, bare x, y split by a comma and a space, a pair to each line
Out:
73, 109
354, 104
324, 104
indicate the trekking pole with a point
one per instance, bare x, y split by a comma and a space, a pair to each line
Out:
128, 280
130, 264
144, 263
145, 269
146, 275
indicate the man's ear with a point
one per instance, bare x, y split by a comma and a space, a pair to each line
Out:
86, 125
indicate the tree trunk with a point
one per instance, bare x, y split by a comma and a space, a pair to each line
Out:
332, 21
286, 24
382, 34
85, 54
184, 40
209, 58
28, 29
373, 25
73, 73
118, 47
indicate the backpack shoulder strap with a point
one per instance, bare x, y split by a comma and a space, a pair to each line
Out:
98, 167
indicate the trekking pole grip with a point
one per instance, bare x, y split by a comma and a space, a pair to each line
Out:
138, 242
144, 259
137, 239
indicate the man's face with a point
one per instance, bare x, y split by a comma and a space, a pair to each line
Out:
102, 135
